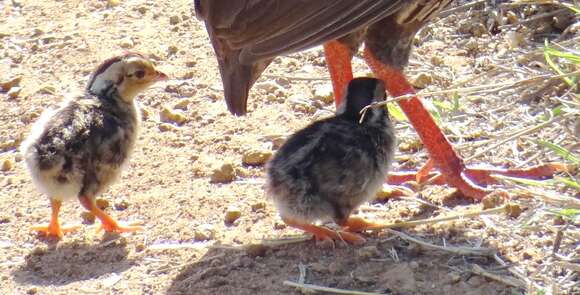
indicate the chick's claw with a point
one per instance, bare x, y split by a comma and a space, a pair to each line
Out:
52, 230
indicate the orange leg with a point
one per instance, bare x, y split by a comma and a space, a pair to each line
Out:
338, 57
107, 222
440, 149
322, 233
358, 224
54, 228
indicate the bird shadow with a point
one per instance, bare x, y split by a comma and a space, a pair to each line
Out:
63, 263
383, 265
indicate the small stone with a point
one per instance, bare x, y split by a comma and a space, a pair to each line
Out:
174, 19
437, 60
454, 277
323, 93
224, 174
268, 87
491, 201
514, 210
512, 17
121, 205
514, 39
182, 104
172, 49
6, 165
164, 127
14, 92
204, 232
145, 113
32, 291
256, 158
168, 115
256, 250
232, 214
279, 225
258, 206
88, 217
102, 204
5, 86
385, 193
422, 80
142, 9
127, 43
368, 252
472, 46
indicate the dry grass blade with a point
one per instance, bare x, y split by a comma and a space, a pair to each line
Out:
452, 249
326, 289
478, 270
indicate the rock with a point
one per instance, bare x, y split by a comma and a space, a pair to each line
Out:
172, 49
204, 232
174, 19
121, 205
182, 104
323, 93
102, 204
88, 217
163, 127
126, 43
514, 39
14, 82
256, 158
232, 214
268, 86
422, 80
258, 206
6, 165
113, 3
368, 252
472, 46
223, 174
14, 92
168, 115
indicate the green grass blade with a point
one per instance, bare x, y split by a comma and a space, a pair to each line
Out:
396, 112
561, 151
569, 182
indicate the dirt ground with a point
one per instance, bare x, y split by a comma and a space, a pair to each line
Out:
189, 247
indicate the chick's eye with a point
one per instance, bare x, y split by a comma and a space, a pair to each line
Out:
140, 74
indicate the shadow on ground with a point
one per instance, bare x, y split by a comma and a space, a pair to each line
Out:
64, 263
383, 265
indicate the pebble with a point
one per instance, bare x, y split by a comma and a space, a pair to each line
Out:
168, 115
88, 217
384, 193
232, 214
6, 165
174, 19
422, 80
121, 205
223, 174
256, 158
258, 206
127, 43
14, 92
14, 82
182, 104
323, 92
102, 204
514, 39
368, 252
204, 232
164, 127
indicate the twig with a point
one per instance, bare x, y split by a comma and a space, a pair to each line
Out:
326, 289
456, 250
406, 224
534, 18
478, 270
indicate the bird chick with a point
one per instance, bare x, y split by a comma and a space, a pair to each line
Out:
326, 170
79, 149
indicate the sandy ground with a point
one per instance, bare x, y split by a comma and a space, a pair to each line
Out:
187, 246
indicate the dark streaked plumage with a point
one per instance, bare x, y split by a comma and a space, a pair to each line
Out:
248, 34
326, 170
78, 150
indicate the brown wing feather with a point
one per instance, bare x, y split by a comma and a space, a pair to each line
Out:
266, 28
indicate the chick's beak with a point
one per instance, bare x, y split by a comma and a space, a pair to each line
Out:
160, 76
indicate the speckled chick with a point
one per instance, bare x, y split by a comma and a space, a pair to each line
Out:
326, 170
79, 149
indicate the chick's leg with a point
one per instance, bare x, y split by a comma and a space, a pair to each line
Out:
107, 222
54, 228
322, 233
358, 224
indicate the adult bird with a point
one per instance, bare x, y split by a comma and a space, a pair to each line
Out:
248, 34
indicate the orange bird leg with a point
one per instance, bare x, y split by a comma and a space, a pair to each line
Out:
322, 233
107, 222
54, 228
451, 166
358, 224
338, 57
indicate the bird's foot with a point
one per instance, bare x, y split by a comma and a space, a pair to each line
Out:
325, 234
358, 224
54, 229
475, 179
111, 225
